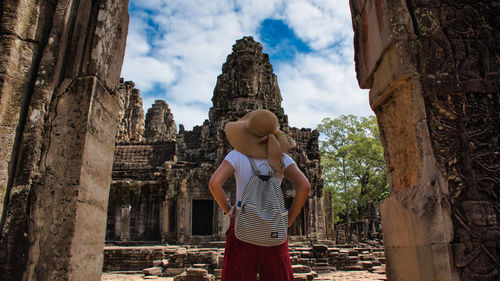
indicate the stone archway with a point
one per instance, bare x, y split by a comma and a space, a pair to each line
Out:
432, 69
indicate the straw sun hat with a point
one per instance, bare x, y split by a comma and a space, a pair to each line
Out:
257, 134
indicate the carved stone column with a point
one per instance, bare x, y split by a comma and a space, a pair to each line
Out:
62, 63
433, 71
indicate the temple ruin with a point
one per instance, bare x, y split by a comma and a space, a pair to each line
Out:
433, 71
159, 191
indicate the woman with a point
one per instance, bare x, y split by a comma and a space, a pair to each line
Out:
257, 135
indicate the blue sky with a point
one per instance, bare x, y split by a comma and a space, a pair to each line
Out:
176, 48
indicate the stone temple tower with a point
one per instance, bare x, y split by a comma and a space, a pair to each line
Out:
160, 190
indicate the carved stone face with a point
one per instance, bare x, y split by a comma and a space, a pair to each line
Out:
481, 213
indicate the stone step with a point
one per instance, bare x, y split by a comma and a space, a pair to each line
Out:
299, 268
353, 267
326, 242
352, 259
155, 271
366, 264
365, 257
303, 277
321, 269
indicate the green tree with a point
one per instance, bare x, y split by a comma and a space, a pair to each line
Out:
353, 165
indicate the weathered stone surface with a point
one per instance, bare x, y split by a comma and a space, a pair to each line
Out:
131, 114
16, 62
247, 83
24, 25
160, 124
434, 88
195, 274
156, 271
81, 189
377, 25
46, 47
132, 258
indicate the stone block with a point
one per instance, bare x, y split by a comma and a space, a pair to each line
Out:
377, 25
409, 255
367, 264
356, 267
300, 277
172, 271
299, 268
319, 248
397, 117
395, 65
73, 199
352, 253
156, 271
196, 272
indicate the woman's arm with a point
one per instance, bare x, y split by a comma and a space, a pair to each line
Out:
217, 180
302, 188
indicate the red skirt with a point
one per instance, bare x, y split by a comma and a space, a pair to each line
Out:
243, 260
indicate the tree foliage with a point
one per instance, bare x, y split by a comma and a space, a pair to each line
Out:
353, 165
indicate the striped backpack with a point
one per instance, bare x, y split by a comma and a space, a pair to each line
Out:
261, 216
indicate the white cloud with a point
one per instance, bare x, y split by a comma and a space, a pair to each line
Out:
181, 45
314, 87
188, 115
320, 23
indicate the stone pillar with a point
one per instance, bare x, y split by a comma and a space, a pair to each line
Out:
125, 223
70, 214
183, 211
59, 70
432, 70
329, 225
164, 221
21, 41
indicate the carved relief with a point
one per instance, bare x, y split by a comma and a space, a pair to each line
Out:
465, 132
460, 70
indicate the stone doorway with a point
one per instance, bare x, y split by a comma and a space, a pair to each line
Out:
298, 228
202, 217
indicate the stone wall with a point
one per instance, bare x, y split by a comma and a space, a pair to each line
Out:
179, 166
433, 71
59, 66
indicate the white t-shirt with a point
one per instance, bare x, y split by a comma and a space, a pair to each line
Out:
243, 169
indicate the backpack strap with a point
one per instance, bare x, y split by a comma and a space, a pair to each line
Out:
257, 171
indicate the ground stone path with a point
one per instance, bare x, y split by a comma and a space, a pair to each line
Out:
332, 276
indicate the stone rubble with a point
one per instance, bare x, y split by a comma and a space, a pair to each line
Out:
192, 263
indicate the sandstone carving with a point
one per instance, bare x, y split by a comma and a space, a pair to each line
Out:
433, 71
60, 63
160, 125
131, 114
